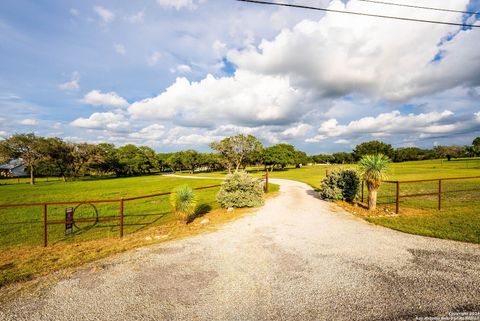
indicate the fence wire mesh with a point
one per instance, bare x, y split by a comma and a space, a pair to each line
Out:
444, 193
24, 225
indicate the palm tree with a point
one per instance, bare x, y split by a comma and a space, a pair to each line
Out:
373, 169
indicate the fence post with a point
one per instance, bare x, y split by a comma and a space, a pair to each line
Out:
121, 217
266, 181
45, 225
363, 184
397, 201
439, 194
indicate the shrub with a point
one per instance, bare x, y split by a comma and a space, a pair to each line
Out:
329, 189
340, 184
349, 184
183, 201
240, 190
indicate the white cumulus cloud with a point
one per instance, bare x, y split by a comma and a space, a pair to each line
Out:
137, 17
180, 4
149, 133
342, 141
110, 99
73, 84
182, 69
28, 122
246, 98
120, 49
342, 54
392, 123
298, 130
154, 58
107, 121
105, 15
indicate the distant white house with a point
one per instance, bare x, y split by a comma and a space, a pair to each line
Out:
14, 168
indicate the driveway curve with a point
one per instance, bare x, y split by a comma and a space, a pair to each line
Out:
296, 258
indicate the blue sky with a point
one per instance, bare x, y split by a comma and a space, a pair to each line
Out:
176, 74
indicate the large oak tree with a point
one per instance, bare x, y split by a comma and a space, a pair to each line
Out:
31, 148
236, 150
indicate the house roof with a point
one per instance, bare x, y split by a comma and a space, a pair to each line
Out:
14, 163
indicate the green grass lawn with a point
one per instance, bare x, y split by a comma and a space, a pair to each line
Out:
22, 256
26, 180
459, 218
455, 223
23, 225
314, 174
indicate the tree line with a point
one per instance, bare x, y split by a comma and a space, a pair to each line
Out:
52, 156
402, 154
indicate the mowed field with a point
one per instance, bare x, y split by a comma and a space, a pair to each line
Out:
146, 221
430, 169
24, 225
459, 218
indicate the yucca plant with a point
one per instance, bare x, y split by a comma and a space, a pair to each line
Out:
184, 202
373, 169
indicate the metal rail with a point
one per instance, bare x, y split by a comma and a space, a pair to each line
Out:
120, 201
434, 179
438, 193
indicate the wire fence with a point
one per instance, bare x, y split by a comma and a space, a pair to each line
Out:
53, 222
428, 193
26, 180
455, 163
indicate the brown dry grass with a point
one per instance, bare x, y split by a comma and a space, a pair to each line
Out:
361, 209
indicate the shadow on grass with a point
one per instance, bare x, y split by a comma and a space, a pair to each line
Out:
22, 223
132, 227
113, 227
143, 225
200, 211
361, 205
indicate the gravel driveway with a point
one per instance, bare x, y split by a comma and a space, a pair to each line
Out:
296, 258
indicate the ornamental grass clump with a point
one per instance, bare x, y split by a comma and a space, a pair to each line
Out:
184, 202
240, 190
373, 169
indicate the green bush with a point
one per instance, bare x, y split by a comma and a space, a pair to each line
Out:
340, 184
329, 188
183, 201
240, 190
350, 184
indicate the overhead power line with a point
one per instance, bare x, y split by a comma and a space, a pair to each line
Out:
361, 13
418, 7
